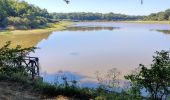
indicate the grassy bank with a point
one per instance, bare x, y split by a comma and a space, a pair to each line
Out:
45, 29
147, 22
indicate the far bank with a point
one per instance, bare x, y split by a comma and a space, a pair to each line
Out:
147, 22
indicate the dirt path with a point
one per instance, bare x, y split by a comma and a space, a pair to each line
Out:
15, 91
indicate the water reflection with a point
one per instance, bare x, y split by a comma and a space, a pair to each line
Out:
25, 40
164, 31
82, 80
91, 28
85, 53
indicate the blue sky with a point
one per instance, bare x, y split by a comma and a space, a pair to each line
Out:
131, 7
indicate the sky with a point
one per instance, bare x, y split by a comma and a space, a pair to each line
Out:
130, 7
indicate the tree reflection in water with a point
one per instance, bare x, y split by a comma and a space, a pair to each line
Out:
91, 28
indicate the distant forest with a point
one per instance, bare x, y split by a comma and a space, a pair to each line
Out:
82, 16
160, 16
15, 14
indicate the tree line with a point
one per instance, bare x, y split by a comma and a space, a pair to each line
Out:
83, 16
15, 14
160, 16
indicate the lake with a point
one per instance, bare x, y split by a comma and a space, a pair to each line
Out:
86, 47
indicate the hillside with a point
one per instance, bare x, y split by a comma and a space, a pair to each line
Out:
16, 14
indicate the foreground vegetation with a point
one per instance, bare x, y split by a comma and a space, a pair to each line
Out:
154, 79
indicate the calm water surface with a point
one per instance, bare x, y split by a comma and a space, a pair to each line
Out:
85, 48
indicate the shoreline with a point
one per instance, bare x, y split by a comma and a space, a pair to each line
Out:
53, 27
141, 22
147, 22
64, 24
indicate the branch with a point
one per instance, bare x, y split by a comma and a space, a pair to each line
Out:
141, 2
67, 1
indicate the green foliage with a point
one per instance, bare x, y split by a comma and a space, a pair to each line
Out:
82, 16
116, 96
53, 90
71, 89
22, 15
155, 79
11, 59
160, 16
12, 70
46, 89
11, 62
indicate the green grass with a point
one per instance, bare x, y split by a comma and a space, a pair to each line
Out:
3, 32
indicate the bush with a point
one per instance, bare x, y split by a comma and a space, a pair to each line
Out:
10, 28
46, 89
156, 79
22, 27
11, 62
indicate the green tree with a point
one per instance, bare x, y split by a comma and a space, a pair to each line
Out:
162, 16
22, 15
156, 78
94, 16
11, 59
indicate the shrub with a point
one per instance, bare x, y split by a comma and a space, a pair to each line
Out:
155, 79
10, 28
46, 89
11, 62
